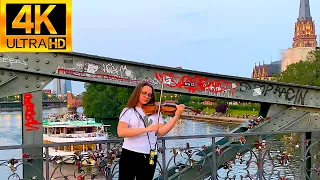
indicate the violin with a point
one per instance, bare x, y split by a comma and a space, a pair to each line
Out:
165, 108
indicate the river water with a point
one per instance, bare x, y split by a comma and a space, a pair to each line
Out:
11, 127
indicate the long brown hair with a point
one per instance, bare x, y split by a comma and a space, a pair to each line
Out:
134, 98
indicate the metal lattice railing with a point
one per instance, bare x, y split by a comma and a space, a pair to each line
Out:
280, 155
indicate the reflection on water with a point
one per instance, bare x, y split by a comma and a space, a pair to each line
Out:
11, 127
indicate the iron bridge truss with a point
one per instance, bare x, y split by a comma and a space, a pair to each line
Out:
290, 106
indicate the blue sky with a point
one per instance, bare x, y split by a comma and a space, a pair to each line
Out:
225, 37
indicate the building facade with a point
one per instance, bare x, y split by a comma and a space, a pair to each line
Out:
266, 71
61, 86
304, 41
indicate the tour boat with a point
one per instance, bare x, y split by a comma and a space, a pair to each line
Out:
72, 128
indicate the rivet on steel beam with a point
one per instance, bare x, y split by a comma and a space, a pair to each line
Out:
1, 55
37, 78
26, 86
10, 74
37, 85
37, 60
55, 54
316, 119
7, 65
2, 73
26, 67
53, 72
37, 69
26, 77
16, 57
26, 59
47, 62
309, 119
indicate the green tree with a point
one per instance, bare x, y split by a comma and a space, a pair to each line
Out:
44, 96
196, 99
104, 101
183, 99
303, 72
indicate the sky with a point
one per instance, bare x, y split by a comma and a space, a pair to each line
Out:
216, 36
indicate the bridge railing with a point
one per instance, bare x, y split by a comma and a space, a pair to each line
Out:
276, 155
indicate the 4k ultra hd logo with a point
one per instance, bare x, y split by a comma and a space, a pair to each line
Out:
35, 26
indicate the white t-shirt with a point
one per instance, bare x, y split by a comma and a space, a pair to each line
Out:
139, 143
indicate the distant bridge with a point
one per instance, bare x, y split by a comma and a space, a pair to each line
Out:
16, 105
72, 103
44, 103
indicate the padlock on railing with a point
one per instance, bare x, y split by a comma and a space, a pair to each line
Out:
27, 157
12, 164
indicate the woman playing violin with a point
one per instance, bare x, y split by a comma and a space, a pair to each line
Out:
138, 159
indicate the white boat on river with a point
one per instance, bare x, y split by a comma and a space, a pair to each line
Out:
62, 129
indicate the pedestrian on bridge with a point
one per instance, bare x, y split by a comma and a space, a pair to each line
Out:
139, 150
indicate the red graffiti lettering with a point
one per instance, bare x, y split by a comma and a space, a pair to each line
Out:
196, 83
29, 113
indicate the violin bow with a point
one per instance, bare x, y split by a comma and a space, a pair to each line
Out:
161, 93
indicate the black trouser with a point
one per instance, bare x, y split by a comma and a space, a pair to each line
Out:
133, 164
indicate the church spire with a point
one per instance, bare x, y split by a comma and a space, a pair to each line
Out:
304, 11
305, 30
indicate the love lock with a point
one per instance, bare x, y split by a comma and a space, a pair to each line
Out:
12, 164
27, 157
81, 177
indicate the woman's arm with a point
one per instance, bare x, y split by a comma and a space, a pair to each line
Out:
165, 128
124, 131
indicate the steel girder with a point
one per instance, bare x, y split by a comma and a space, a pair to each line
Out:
83, 67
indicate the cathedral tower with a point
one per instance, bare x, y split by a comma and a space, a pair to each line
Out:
304, 32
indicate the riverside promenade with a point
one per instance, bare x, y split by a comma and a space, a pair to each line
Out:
216, 119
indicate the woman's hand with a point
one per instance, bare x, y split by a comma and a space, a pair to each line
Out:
180, 109
152, 127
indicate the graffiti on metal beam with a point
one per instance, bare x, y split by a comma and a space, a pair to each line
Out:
29, 113
297, 96
118, 70
197, 83
108, 71
11, 61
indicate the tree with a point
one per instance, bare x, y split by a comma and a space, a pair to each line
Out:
196, 99
44, 96
222, 108
104, 101
183, 99
303, 72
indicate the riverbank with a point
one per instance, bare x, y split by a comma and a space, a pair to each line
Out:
216, 119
